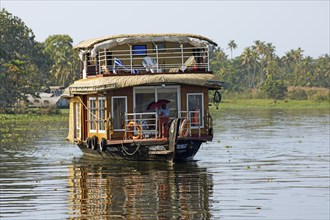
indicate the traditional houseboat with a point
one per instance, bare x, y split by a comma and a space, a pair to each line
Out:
143, 96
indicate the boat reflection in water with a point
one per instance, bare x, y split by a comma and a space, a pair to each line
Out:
139, 190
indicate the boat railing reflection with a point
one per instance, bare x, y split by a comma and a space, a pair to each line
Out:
130, 190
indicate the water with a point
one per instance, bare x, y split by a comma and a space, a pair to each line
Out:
261, 165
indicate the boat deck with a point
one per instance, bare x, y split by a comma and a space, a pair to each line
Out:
157, 141
148, 141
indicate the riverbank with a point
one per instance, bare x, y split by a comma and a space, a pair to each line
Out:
270, 104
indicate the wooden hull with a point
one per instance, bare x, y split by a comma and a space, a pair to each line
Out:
185, 150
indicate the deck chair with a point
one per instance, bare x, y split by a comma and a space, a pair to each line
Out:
150, 64
189, 63
118, 64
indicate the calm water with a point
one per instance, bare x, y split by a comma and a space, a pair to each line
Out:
261, 165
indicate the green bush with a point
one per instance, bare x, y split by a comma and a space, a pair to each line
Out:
298, 94
274, 89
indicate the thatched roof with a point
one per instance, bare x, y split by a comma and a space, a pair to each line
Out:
97, 84
90, 43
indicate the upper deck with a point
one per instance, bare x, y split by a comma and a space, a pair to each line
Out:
147, 53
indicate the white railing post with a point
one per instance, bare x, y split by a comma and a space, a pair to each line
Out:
131, 56
208, 58
181, 45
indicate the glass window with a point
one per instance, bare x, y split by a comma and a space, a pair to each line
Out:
92, 113
171, 95
77, 120
145, 96
101, 114
119, 107
195, 102
140, 50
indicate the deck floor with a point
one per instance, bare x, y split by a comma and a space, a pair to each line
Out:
149, 141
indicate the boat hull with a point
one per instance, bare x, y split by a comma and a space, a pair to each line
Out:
185, 150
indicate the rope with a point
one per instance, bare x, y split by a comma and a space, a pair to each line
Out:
95, 116
129, 154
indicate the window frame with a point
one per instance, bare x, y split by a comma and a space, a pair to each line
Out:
104, 109
77, 120
92, 114
201, 111
139, 52
112, 109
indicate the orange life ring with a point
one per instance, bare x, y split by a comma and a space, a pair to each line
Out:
184, 128
130, 127
195, 119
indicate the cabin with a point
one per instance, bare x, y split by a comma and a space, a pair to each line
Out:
128, 80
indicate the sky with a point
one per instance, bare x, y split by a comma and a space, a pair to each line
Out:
286, 24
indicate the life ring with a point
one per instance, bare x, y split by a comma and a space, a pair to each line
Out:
103, 144
195, 119
94, 142
217, 97
184, 128
130, 127
89, 142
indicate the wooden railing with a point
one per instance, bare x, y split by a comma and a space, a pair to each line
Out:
164, 60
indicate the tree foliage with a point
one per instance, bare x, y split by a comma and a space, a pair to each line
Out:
23, 66
258, 67
28, 66
65, 63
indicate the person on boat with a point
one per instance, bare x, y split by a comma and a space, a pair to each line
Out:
164, 111
164, 114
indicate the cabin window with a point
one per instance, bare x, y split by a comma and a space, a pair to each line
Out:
101, 114
146, 95
139, 50
76, 120
143, 97
119, 107
92, 114
96, 114
160, 45
195, 102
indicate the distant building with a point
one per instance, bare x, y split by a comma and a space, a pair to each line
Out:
51, 97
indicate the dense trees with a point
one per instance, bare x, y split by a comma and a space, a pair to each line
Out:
65, 64
27, 66
258, 67
23, 66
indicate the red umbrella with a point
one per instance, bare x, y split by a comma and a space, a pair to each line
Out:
157, 104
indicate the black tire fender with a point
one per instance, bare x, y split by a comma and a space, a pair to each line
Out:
95, 142
89, 142
103, 144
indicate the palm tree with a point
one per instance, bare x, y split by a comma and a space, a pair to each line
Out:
248, 59
232, 45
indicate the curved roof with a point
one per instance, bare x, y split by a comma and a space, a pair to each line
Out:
97, 84
90, 43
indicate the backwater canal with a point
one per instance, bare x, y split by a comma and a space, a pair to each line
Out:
262, 164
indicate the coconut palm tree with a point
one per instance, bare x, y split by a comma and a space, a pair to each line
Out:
232, 45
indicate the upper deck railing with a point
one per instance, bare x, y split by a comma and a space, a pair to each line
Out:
156, 60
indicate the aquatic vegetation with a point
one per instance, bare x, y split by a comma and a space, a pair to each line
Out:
270, 104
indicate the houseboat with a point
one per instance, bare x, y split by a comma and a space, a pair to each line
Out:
143, 97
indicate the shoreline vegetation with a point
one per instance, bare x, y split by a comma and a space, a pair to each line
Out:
271, 104
226, 104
